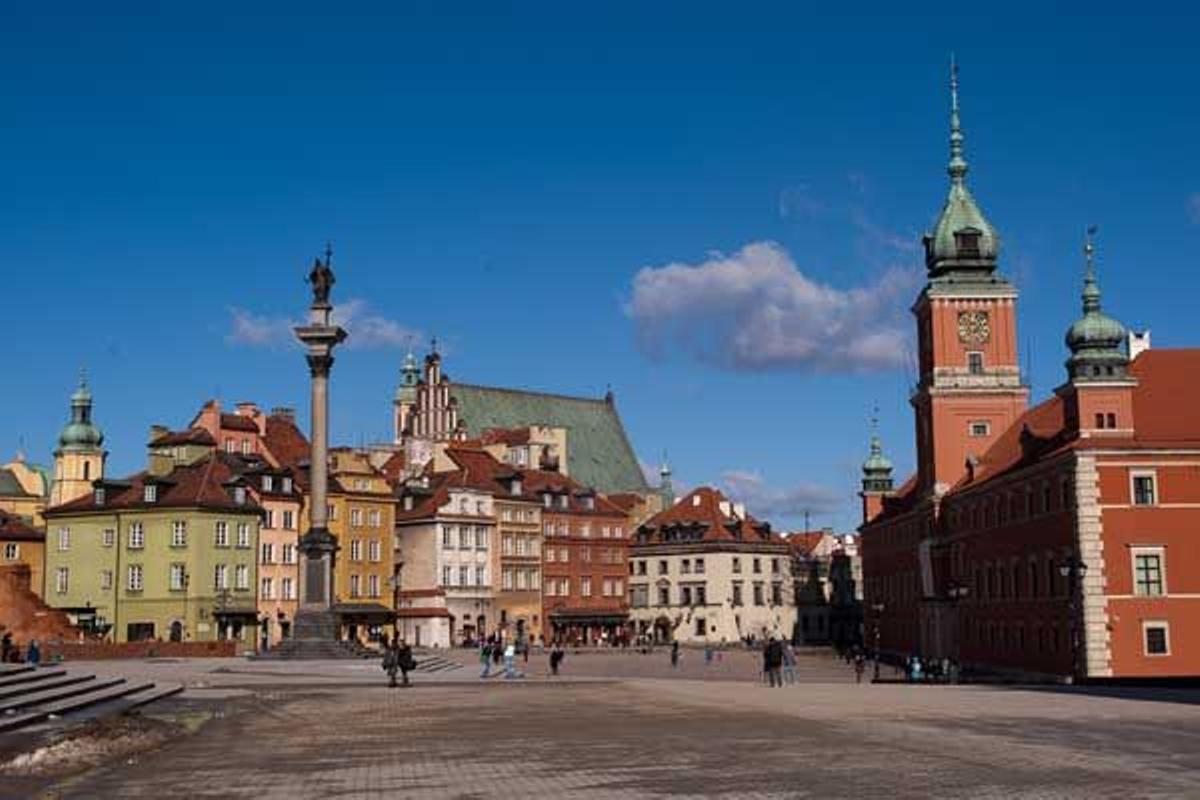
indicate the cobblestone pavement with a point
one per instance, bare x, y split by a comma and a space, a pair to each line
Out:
650, 737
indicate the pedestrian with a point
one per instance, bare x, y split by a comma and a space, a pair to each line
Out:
766, 663
497, 651
34, 654
485, 658
6, 647
405, 660
510, 653
525, 651
391, 661
860, 666
675, 654
556, 658
708, 654
775, 662
789, 663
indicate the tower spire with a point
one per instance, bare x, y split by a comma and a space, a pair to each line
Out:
1091, 289
958, 165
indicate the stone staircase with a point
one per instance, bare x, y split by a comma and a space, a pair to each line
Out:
315, 649
30, 695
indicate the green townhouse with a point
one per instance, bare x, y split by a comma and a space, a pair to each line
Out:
167, 554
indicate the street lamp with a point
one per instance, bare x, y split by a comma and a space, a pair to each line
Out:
877, 608
187, 579
1074, 570
395, 582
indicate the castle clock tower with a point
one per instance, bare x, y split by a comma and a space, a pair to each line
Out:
970, 387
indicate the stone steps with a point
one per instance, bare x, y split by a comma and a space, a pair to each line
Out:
36, 701
54, 681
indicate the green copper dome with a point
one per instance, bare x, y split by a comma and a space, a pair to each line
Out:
409, 376
963, 241
877, 461
80, 433
1095, 339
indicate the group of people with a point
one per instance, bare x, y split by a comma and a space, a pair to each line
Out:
779, 662
495, 650
397, 657
937, 670
10, 653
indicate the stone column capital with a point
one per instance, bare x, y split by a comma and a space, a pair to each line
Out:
320, 364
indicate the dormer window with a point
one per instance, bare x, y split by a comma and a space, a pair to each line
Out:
239, 495
515, 487
150, 493
563, 500
408, 502
966, 242
99, 495
547, 500
287, 485
589, 503
268, 483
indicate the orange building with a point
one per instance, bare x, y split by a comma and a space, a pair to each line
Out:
1051, 540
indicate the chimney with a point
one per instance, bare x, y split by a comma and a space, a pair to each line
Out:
1138, 343
284, 412
160, 464
158, 431
247, 408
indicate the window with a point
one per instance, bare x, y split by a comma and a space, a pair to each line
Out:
776, 594
465, 538
737, 564
356, 517
481, 577
373, 586
737, 594
109, 537
1148, 573
62, 577
12, 551
243, 535
133, 578
178, 573
245, 447
701, 594
774, 566
447, 537
966, 242
289, 520
522, 579
150, 493
463, 575
1157, 638
1099, 420
355, 586
221, 534
374, 551
269, 518
641, 567
239, 495
289, 554
446, 576
331, 511
585, 587
266, 588
230, 445
356, 549
981, 428
64, 539
1111, 418
268, 553
464, 506
481, 538
220, 577
550, 551
99, 495
664, 596
268, 483
106, 578
137, 536
373, 518
685, 566
685, 595
757, 566
1143, 489
617, 532
287, 486
563, 501
975, 363
701, 630
662, 567
585, 554
585, 530
758, 594
288, 588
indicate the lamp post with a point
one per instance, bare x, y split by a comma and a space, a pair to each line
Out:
1074, 570
395, 581
956, 592
877, 610
187, 579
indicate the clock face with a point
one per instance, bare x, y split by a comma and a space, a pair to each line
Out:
973, 327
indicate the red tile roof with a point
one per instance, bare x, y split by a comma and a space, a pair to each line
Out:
197, 485
236, 422
16, 529
284, 441
189, 436
393, 468
508, 436
805, 542
702, 509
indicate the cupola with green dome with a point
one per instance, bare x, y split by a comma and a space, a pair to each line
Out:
409, 376
963, 245
877, 469
1095, 339
80, 433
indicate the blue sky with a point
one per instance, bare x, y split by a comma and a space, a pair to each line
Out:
517, 183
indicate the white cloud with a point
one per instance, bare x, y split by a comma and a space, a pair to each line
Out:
365, 328
755, 310
769, 502
1193, 208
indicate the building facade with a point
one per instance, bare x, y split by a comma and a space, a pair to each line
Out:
705, 571
1047, 540
168, 553
25, 490
22, 545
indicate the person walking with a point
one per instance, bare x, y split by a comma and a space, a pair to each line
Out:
789, 663
485, 659
510, 653
34, 654
391, 661
6, 647
556, 658
404, 660
675, 654
860, 666
766, 663
708, 654
775, 662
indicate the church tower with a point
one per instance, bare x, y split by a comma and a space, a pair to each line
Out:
79, 458
405, 402
970, 389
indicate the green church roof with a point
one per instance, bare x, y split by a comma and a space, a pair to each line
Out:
598, 451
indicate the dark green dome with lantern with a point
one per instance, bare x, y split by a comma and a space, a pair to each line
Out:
877, 470
1095, 339
80, 433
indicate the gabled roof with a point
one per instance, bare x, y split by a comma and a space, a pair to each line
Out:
236, 422
285, 442
702, 513
197, 436
202, 484
598, 451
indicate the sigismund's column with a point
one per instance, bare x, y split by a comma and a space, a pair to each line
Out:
318, 546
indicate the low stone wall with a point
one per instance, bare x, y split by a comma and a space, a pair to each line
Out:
103, 651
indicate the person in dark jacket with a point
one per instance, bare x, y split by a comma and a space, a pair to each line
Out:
391, 661
774, 659
556, 658
675, 654
405, 660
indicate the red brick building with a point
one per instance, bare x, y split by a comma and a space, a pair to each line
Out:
1049, 540
585, 560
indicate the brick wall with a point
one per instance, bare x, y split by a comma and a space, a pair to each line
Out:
103, 651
